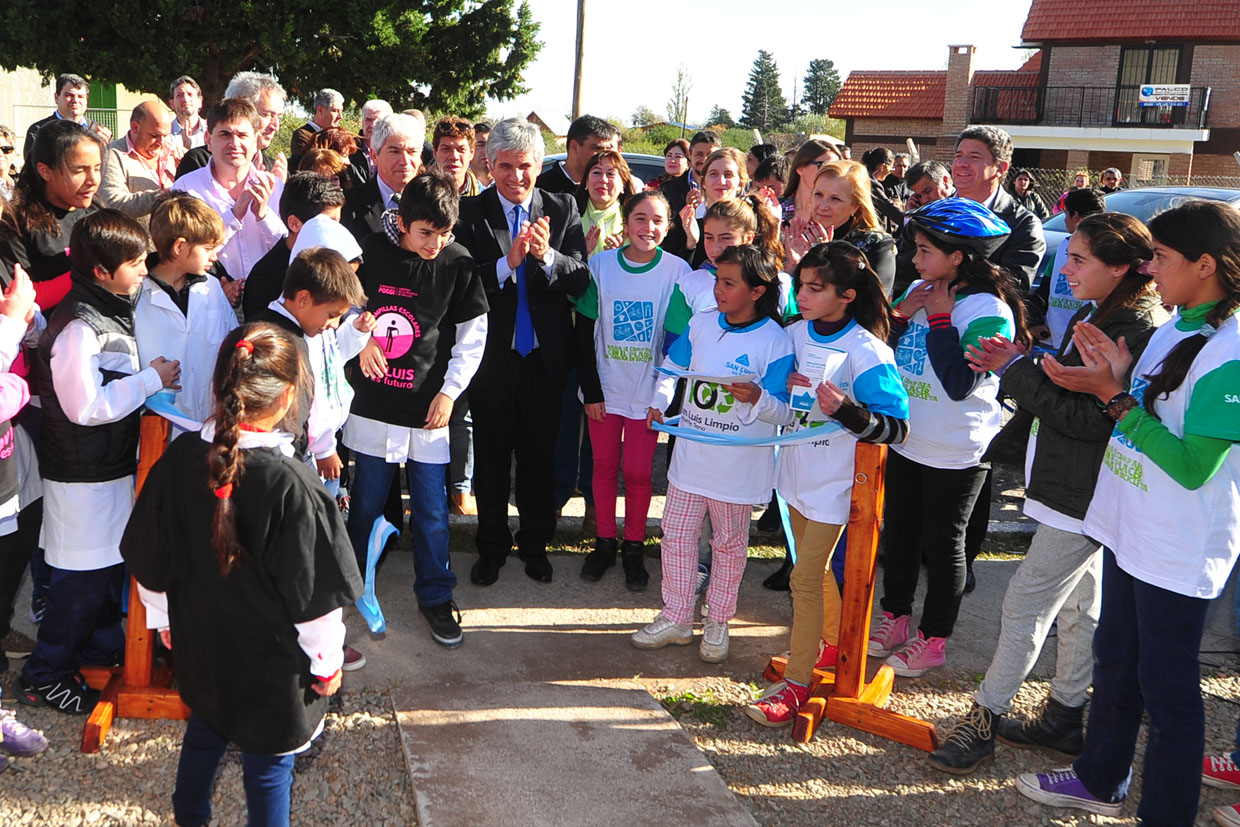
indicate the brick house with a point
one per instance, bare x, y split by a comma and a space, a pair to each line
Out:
1074, 104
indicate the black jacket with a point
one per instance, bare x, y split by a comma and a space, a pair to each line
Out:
553, 178
239, 665
1073, 430
69, 452
1023, 250
676, 191
363, 210
485, 232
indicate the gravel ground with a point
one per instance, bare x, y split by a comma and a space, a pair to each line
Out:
355, 774
862, 779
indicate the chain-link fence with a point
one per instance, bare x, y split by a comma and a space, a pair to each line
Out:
1053, 182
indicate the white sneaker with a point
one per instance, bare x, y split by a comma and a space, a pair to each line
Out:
661, 632
714, 647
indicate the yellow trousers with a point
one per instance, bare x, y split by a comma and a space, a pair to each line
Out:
815, 595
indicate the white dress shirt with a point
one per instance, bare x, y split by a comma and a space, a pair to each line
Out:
247, 239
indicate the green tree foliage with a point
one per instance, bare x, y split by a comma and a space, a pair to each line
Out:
719, 115
645, 116
763, 101
815, 125
822, 84
445, 55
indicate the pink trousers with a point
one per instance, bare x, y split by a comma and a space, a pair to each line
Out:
639, 443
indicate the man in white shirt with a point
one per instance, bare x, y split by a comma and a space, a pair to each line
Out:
237, 190
189, 129
140, 164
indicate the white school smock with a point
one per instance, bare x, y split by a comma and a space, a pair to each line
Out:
732, 474
1162, 533
944, 433
630, 303
1061, 305
161, 329
816, 477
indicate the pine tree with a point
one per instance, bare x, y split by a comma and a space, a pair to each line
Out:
763, 102
719, 115
822, 84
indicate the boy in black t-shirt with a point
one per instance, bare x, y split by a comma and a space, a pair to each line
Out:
430, 307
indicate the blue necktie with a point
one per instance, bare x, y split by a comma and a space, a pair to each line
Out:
523, 341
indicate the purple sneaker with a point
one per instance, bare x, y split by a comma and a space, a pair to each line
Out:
18, 739
1062, 788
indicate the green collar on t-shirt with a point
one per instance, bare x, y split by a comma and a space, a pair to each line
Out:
1192, 318
629, 267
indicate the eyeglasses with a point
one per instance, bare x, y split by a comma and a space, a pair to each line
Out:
7, 150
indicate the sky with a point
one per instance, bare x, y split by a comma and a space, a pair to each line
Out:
633, 48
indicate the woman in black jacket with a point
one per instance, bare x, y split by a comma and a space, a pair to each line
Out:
1061, 574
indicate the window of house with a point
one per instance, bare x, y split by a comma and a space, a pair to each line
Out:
1139, 65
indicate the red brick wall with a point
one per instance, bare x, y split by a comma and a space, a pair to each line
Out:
1219, 68
1215, 165
1094, 66
905, 127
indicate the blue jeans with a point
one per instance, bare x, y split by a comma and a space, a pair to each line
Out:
428, 523
268, 780
1145, 658
81, 624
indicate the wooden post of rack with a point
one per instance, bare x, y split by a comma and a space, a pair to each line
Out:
845, 697
136, 690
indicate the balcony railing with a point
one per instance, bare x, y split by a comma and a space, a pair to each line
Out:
1084, 106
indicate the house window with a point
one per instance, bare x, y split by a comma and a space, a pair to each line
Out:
1139, 65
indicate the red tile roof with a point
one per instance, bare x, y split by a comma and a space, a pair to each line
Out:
1033, 64
867, 94
1006, 79
1107, 21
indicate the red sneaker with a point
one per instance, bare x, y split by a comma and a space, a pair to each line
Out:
779, 705
1220, 771
353, 659
828, 655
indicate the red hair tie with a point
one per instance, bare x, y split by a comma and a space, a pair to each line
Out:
224, 492
246, 345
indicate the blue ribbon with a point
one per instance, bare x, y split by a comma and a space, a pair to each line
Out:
368, 603
673, 427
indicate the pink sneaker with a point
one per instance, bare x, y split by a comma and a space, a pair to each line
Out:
922, 654
891, 634
1220, 771
779, 705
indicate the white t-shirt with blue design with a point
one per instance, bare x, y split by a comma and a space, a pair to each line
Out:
817, 477
712, 347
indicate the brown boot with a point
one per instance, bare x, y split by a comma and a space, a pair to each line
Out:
588, 524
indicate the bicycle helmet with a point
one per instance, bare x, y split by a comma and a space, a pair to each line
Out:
962, 222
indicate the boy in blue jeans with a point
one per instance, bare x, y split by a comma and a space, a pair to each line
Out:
430, 311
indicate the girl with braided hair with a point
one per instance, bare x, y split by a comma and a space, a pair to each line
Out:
244, 565
1166, 512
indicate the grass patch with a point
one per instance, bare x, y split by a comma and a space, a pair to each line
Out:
706, 708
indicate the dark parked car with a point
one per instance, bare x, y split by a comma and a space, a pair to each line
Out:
644, 167
1142, 203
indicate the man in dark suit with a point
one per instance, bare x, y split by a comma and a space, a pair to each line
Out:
396, 147
328, 109
71, 94
530, 251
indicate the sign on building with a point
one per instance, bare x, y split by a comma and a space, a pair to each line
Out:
1164, 94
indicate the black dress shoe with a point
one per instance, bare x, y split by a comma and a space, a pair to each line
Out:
777, 581
538, 568
484, 572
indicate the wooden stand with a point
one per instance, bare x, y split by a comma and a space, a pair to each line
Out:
136, 690
844, 696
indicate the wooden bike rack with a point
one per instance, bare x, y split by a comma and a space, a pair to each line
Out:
844, 696
137, 689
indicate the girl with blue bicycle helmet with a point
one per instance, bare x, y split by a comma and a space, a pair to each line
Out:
934, 478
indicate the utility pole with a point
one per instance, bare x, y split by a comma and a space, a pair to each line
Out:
581, 53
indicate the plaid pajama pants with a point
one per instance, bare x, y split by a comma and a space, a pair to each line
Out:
682, 525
